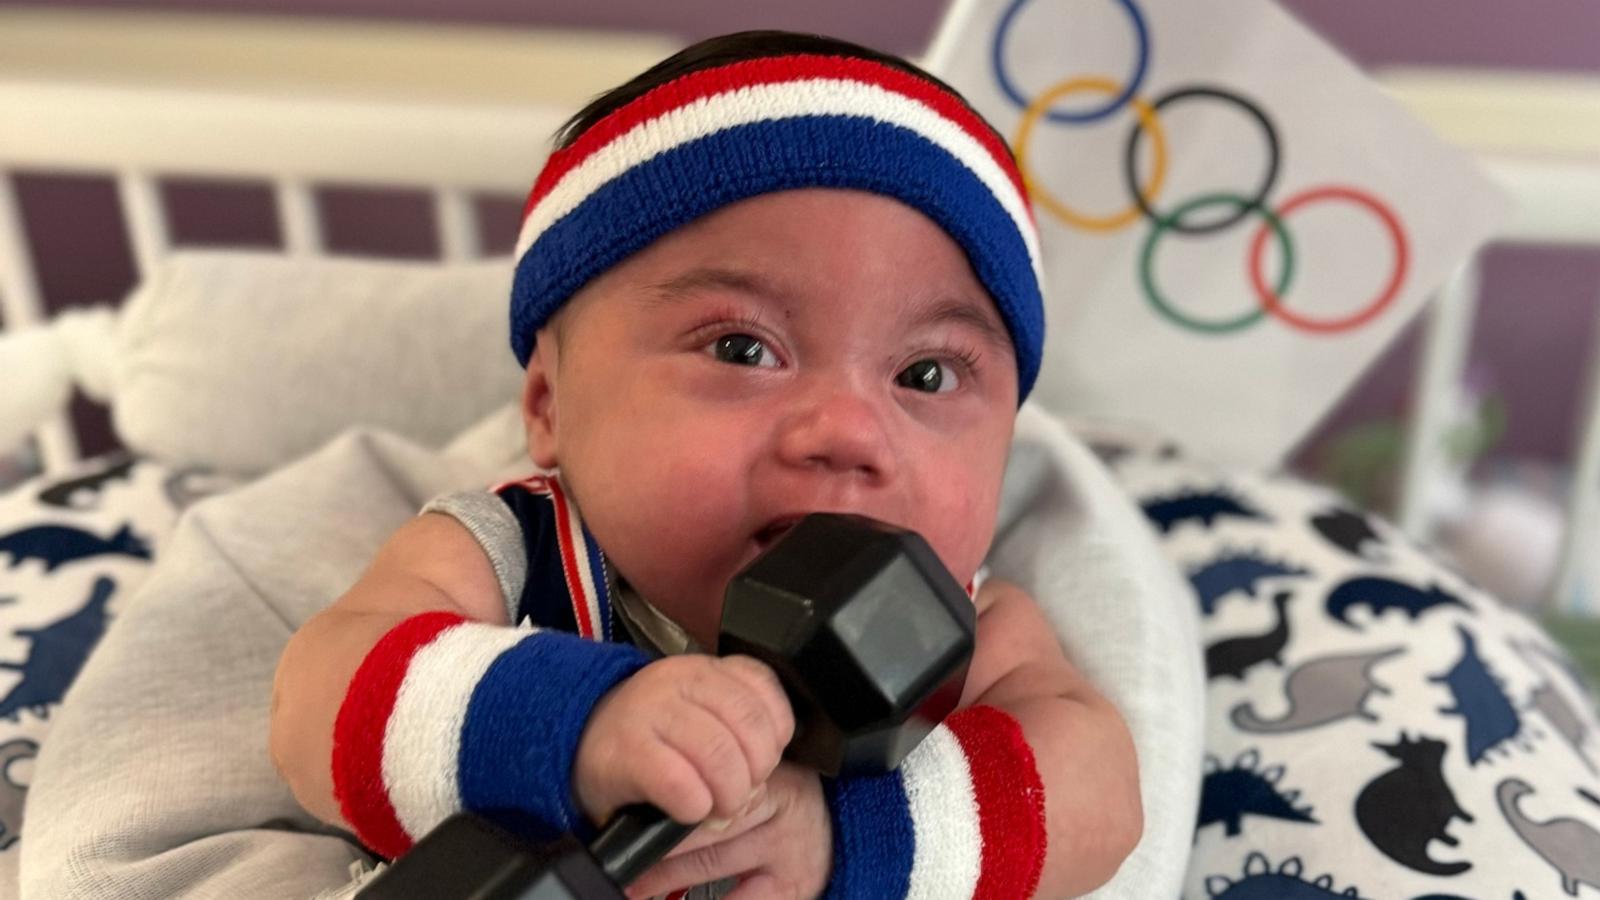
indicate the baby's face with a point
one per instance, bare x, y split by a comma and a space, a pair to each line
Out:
811, 350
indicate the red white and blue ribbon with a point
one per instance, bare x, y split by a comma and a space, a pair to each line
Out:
718, 135
582, 561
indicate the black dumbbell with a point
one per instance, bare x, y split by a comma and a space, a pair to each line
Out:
871, 638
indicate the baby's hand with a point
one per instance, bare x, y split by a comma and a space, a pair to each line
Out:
694, 735
782, 846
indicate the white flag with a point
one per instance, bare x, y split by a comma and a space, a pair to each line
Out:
1235, 220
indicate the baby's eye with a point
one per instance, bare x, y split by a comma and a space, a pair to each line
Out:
928, 375
742, 350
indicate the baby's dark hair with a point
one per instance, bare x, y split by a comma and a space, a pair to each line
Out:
732, 48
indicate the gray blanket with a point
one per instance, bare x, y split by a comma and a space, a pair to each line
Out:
155, 781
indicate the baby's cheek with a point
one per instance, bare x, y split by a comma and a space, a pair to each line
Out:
962, 531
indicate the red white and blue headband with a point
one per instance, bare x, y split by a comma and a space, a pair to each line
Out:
715, 136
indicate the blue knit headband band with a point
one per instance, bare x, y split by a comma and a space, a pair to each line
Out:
713, 137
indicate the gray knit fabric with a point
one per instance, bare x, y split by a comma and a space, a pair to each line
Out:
496, 528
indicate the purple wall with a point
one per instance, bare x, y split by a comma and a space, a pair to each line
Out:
1529, 345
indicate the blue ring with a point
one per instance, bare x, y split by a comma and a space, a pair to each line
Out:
1116, 103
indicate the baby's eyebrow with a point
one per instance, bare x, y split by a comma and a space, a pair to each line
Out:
965, 311
699, 279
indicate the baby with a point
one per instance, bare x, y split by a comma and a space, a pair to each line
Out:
775, 274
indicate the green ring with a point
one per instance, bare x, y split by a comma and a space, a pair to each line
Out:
1165, 223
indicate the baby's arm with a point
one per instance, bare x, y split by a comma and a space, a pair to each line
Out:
431, 563
690, 734
1082, 749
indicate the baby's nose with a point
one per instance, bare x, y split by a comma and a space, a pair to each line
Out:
838, 429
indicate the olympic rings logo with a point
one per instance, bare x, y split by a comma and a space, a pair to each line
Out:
1270, 299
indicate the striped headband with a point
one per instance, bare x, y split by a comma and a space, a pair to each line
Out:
715, 136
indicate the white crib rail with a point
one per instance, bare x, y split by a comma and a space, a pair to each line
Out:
298, 143
454, 111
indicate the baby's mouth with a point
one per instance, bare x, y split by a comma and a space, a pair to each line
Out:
768, 534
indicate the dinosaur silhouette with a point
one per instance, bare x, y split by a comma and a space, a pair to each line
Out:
61, 493
1259, 882
1236, 572
1320, 692
1228, 795
12, 794
1589, 797
1551, 704
1348, 530
1570, 846
58, 652
1403, 809
1491, 719
1382, 595
56, 545
1206, 508
1233, 657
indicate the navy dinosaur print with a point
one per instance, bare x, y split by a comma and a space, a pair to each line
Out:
1589, 797
1228, 795
1233, 657
63, 493
1348, 530
1236, 572
1405, 808
1206, 508
1259, 882
57, 545
57, 654
1491, 719
1383, 594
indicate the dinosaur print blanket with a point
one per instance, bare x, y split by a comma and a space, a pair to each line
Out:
1377, 727
73, 547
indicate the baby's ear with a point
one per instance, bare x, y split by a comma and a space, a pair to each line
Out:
539, 402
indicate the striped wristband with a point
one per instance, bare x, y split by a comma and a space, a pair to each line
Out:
963, 816
446, 714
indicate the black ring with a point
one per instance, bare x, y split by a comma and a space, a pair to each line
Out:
1219, 94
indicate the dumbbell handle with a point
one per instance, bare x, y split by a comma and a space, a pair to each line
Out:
636, 838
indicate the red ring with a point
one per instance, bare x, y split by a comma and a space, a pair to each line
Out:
1273, 304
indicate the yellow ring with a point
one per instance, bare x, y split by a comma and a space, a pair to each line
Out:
1152, 125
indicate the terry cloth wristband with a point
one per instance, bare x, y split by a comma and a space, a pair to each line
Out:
963, 816
446, 714
715, 136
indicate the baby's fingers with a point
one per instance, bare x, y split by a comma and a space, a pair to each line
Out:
674, 785
746, 696
714, 831
703, 866
715, 753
